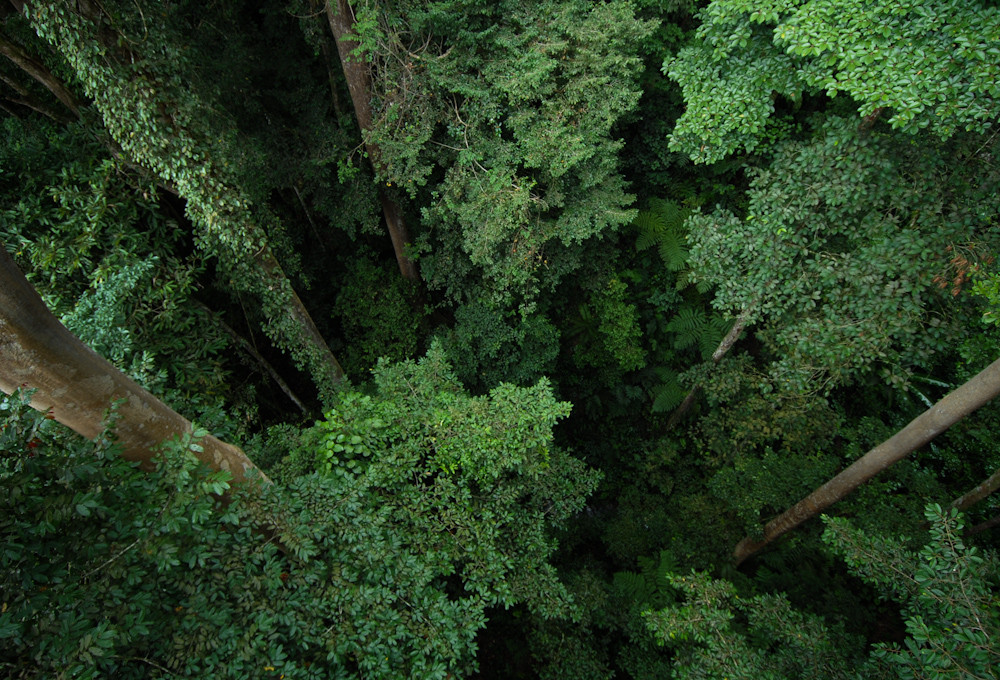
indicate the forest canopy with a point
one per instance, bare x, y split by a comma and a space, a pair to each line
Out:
456, 339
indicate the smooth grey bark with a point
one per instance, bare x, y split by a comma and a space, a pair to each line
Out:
953, 407
76, 385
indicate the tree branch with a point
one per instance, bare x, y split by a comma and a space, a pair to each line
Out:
252, 351
38, 71
721, 351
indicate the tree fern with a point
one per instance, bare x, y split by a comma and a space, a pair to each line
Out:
648, 588
688, 325
662, 226
712, 333
694, 326
669, 393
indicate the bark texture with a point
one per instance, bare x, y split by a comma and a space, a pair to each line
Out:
38, 71
327, 371
932, 422
359, 83
977, 494
77, 385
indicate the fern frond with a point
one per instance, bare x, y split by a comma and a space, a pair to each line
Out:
713, 331
689, 319
688, 325
672, 214
669, 393
654, 571
720, 324
662, 225
651, 226
633, 587
673, 250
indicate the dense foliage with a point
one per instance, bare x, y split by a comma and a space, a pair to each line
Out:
680, 263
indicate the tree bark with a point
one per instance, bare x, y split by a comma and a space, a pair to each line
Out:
932, 422
38, 71
327, 371
977, 494
721, 351
359, 83
984, 526
77, 385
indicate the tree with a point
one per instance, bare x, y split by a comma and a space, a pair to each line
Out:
402, 517
153, 118
845, 240
951, 621
961, 402
359, 83
947, 591
924, 65
727, 343
77, 386
513, 107
704, 628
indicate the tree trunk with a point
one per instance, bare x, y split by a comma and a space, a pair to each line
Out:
359, 83
77, 385
721, 351
38, 71
325, 370
932, 422
180, 155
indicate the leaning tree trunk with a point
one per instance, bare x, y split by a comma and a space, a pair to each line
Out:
359, 82
162, 134
77, 385
932, 422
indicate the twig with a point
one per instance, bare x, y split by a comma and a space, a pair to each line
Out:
151, 663
309, 218
113, 558
264, 363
